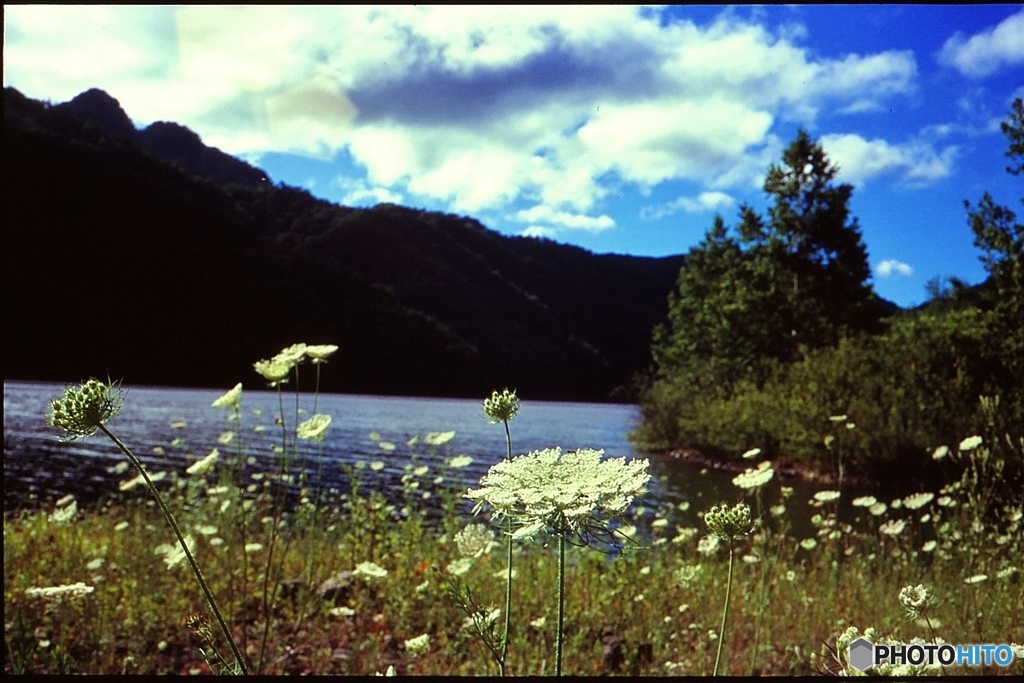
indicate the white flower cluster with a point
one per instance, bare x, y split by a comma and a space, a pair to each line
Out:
276, 369
66, 510
56, 594
315, 428
755, 478
475, 540
562, 492
173, 553
232, 399
203, 465
916, 600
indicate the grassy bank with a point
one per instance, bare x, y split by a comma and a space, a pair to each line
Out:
654, 610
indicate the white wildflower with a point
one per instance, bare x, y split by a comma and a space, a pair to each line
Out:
918, 500
708, 546
916, 600
232, 399
563, 492
319, 353
203, 465
370, 570
460, 461
64, 514
418, 645
755, 478
315, 428
893, 527
501, 407
57, 594
970, 443
475, 540
438, 438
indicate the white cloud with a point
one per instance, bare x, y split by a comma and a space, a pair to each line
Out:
890, 267
471, 107
705, 201
562, 219
916, 162
985, 53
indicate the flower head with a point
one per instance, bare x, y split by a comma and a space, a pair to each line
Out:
65, 511
315, 428
501, 407
893, 527
755, 478
826, 496
564, 492
970, 443
370, 570
438, 438
82, 409
320, 353
940, 452
727, 523
232, 399
752, 453
916, 600
273, 370
460, 461
917, 500
204, 465
292, 356
56, 594
475, 540
709, 545
418, 645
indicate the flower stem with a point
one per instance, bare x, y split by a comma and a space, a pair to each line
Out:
725, 611
184, 546
508, 578
561, 603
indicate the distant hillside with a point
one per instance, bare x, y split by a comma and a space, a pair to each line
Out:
163, 261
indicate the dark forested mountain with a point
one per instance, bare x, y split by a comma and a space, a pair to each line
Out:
150, 256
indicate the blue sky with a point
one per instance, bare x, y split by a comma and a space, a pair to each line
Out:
617, 128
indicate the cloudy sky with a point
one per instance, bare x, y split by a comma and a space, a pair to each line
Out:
620, 129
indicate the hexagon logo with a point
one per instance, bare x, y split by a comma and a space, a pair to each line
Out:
862, 654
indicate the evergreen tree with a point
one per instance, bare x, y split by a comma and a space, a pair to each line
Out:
794, 281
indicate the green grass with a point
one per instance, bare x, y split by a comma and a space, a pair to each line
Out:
134, 620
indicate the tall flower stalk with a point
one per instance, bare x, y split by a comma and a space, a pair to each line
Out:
730, 525
572, 496
80, 413
276, 371
503, 408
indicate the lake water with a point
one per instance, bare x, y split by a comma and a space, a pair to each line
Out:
39, 468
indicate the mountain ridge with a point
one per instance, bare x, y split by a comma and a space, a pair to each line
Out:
223, 268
